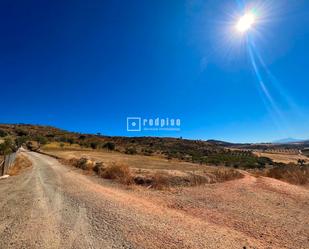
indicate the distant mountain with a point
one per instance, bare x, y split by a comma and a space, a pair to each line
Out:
227, 144
306, 143
218, 142
288, 140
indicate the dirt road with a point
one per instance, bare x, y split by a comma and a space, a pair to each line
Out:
54, 206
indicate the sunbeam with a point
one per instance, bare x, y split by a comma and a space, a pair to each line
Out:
275, 112
246, 27
275, 82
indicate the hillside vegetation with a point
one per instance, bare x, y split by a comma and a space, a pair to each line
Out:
195, 151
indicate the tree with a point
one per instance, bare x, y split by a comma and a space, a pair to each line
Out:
41, 140
94, 145
19, 141
63, 139
130, 151
82, 137
109, 146
3, 133
71, 141
21, 132
30, 145
7, 147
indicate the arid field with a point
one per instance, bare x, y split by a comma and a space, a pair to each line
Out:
282, 157
265, 212
69, 190
78, 210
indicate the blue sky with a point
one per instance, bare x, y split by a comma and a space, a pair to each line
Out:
87, 65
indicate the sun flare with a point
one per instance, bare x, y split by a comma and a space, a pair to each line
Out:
245, 22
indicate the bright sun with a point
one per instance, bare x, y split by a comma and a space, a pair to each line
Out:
245, 22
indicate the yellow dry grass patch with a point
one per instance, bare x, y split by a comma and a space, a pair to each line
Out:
283, 157
133, 161
154, 171
62, 146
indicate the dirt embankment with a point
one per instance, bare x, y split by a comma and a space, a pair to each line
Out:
21, 163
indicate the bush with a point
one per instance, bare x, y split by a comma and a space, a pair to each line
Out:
222, 175
83, 163
120, 173
196, 180
94, 145
109, 146
130, 151
99, 168
142, 180
30, 145
7, 147
62, 139
160, 181
41, 140
19, 141
71, 141
82, 137
147, 152
3, 133
293, 174
21, 132
263, 161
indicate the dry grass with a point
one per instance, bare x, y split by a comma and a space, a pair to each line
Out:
21, 163
82, 163
225, 174
120, 173
293, 174
153, 172
133, 161
166, 179
62, 146
282, 157
213, 176
160, 181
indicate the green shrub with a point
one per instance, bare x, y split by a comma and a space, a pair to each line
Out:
71, 141
19, 141
147, 152
82, 137
7, 147
130, 151
21, 132
109, 146
41, 140
3, 133
94, 145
